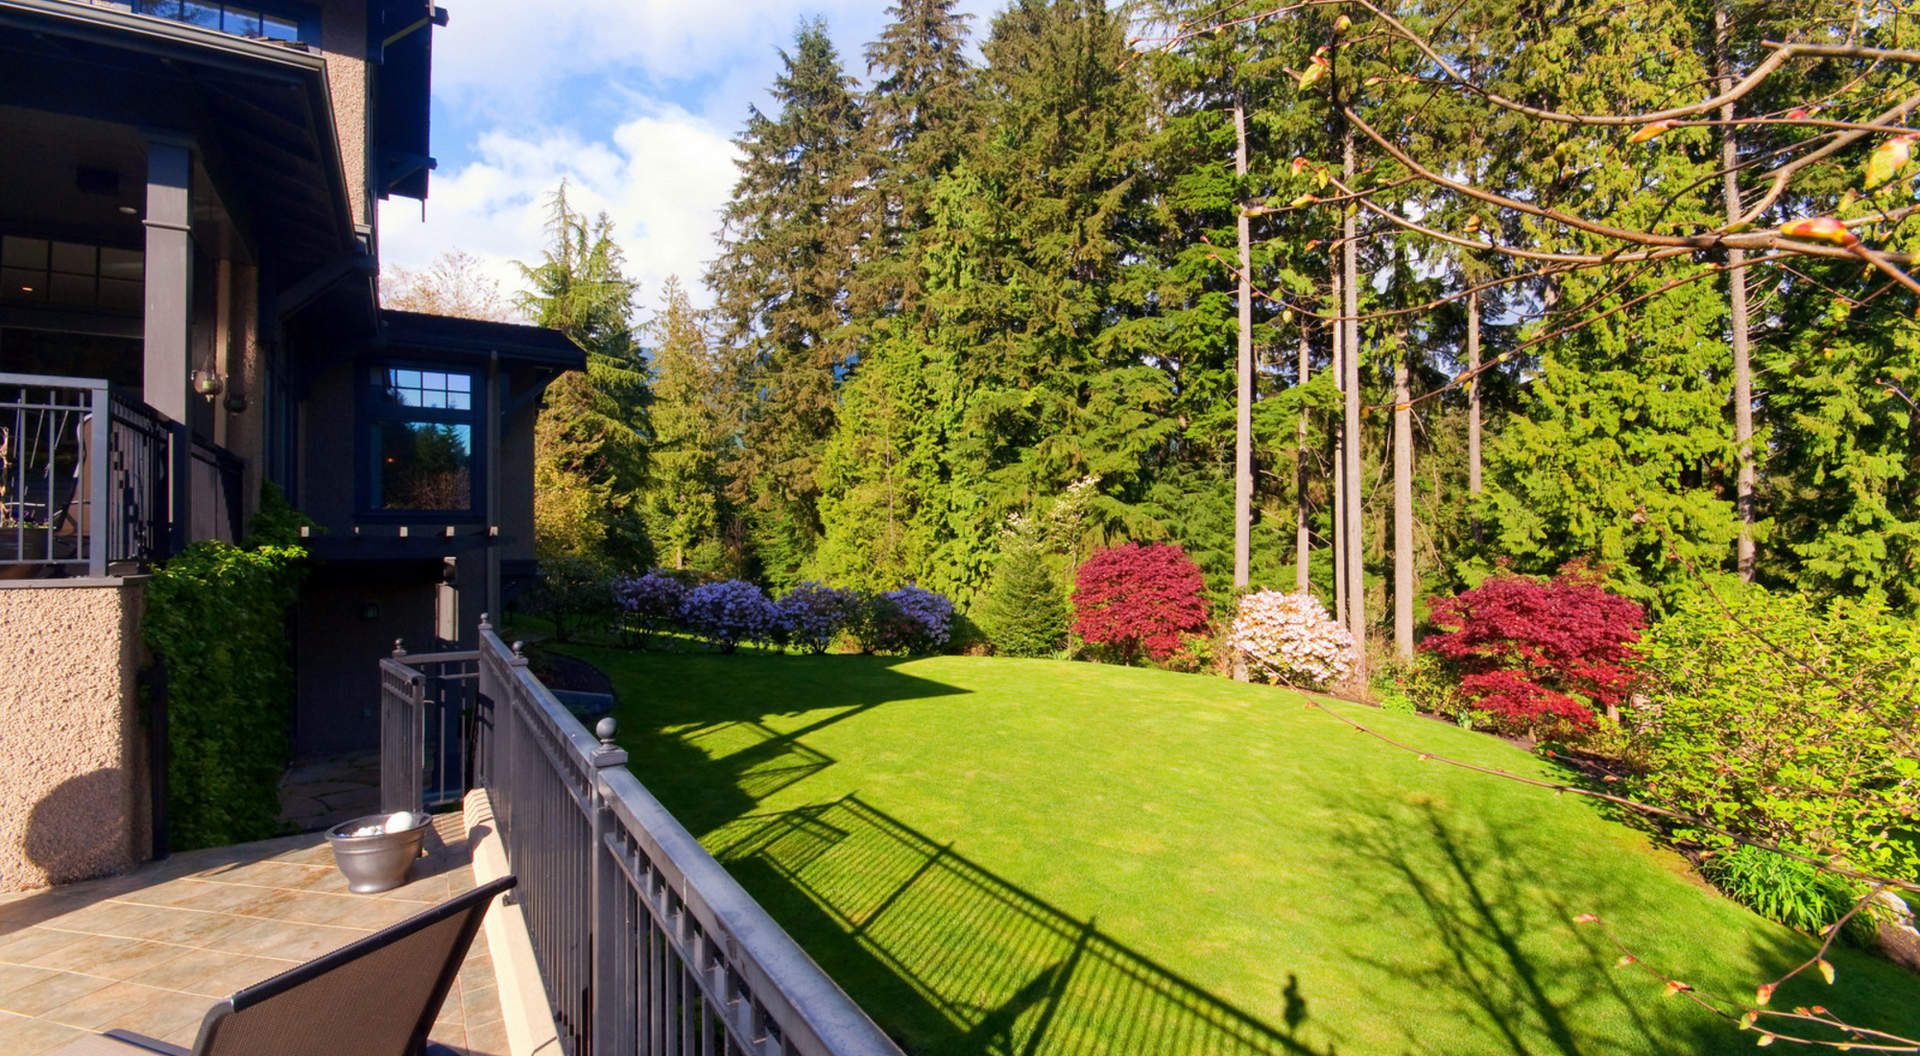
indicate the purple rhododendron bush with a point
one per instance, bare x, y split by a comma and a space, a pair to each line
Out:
1290, 639
728, 613
928, 615
815, 615
908, 620
811, 616
649, 604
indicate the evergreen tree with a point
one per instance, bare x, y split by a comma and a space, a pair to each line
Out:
683, 496
921, 117
590, 441
1026, 611
780, 289
881, 472
1068, 390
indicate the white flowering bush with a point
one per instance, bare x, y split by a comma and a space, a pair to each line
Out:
1289, 638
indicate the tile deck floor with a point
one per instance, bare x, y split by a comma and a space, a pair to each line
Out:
150, 951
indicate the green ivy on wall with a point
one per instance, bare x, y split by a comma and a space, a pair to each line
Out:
216, 617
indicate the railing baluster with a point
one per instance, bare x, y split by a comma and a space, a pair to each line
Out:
644, 941
95, 476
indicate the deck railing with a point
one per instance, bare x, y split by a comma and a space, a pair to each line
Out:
218, 486
83, 477
645, 943
426, 728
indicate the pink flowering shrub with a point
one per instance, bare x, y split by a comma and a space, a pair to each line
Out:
1289, 638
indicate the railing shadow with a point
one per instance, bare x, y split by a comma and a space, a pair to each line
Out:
763, 760
679, 738
957, 960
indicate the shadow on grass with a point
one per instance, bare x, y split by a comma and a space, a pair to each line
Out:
1490, 941
698, 731
955, 960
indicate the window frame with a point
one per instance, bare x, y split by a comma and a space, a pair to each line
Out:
304, 16
372, 409
48, 270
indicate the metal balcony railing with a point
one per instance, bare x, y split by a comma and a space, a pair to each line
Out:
83, 477
645, 943
86, 480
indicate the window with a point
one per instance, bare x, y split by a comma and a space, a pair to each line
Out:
237, 19
71, 274
420, 440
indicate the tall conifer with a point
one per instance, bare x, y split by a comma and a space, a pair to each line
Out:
590, 442
682, 498
780, 292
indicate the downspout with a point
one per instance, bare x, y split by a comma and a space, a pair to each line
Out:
491, 540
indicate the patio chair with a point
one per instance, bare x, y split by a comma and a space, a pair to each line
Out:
375, 997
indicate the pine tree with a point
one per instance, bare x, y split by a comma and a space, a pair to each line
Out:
1227, 129
1069, 390
881, 472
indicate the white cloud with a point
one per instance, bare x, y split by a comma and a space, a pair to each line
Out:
510, 59
634, 102
662, 176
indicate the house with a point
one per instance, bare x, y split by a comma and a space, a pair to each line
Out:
189, 245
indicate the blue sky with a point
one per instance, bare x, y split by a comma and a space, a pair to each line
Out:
634, 102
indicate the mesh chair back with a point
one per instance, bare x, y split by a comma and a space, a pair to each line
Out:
377, 996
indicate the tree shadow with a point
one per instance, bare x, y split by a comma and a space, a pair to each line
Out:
1868, 990
83, 827
1497, 948
954, 959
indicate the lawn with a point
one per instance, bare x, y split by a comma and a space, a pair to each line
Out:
1026, 856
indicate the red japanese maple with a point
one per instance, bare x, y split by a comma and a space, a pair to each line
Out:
1534, 651
1136, 597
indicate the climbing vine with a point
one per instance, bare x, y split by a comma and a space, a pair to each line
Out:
216, 618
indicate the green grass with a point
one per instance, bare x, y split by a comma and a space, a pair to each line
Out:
1026, 856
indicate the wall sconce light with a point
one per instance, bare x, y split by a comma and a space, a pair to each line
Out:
208, 384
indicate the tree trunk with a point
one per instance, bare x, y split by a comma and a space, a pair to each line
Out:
1403, 579
1473, 407
1243, 417
1736, 308
1302, 545
1350, 294
1338, 521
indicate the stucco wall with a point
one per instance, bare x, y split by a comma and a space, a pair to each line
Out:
343, 42
73, 775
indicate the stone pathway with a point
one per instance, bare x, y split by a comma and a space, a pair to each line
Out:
317, 794
150, 951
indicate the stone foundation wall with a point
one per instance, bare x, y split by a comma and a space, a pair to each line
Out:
73, 770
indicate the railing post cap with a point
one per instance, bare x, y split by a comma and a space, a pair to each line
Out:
484, 625
609, 753
399, 650
519, 658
